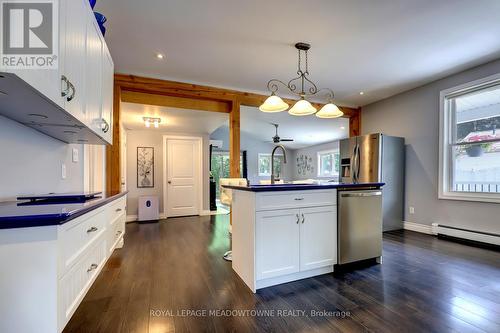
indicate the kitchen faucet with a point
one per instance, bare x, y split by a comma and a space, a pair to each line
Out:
273, 177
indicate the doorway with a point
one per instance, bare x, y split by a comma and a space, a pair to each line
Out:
182, 175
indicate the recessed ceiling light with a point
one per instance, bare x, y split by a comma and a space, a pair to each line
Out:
361, 93
342, 128
160, 56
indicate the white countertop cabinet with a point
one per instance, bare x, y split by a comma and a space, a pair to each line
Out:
48, 270
282, 236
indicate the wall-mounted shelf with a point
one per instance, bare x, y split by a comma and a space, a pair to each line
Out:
21, 102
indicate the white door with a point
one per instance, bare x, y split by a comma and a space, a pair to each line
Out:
277, 243
183, 177
318, 237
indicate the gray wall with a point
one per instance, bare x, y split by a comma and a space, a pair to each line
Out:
253, 148
415, 115
312, 152
30, 162
152, 138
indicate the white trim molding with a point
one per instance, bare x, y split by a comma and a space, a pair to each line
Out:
134, 218
417, 227
446, 120
478, 236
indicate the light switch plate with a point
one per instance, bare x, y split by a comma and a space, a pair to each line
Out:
74, 155
63, 171
412, 210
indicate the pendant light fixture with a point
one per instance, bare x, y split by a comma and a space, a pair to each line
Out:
302, 87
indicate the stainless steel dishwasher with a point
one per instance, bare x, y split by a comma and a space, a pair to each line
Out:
359, 225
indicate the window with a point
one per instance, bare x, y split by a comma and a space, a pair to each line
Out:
328, 163
265, 165
470, 141
220, 167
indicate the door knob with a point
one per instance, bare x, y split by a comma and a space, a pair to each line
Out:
170, 182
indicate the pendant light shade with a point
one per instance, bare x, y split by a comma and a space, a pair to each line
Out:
330, 110
273, 104
302, 108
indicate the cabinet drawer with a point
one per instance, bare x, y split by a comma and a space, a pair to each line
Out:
74, 285
78, 235
295, 199
116, 208
116, 232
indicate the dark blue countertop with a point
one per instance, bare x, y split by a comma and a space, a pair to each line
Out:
20, 214
298, 187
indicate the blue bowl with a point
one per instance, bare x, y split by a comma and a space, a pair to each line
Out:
92, 3
103, 29
101, 19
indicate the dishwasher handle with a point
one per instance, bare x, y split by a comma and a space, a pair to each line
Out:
362, 194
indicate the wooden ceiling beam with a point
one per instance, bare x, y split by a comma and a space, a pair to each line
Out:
187, 90
176, 102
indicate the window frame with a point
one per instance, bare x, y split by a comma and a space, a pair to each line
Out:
268, 155
318, 157
446, 123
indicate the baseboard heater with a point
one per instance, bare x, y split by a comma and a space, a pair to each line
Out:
465, 234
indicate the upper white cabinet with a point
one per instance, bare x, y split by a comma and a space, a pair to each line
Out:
82, 86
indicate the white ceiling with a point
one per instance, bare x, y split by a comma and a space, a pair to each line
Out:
305, 131
172, 119
380, 47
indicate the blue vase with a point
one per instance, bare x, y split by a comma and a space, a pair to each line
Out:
101, 19
92, 3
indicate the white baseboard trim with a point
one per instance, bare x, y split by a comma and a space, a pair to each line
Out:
468, 234
133, 218
417, 227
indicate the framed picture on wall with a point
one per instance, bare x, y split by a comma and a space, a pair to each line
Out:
145, 167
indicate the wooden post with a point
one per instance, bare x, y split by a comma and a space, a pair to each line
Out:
355, 124
113, 169
234, 140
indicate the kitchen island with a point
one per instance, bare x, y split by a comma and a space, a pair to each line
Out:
285, 232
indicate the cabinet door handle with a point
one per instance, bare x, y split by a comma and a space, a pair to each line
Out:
91, 268
303, 219
118, 210
93, 229
298, 199
73, 92
65, 91
104, 126
298, 218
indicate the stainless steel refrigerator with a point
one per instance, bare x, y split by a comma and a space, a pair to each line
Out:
377, 158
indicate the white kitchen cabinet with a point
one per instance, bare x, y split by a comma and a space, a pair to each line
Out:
107, 76
318, 237
83, 83
65, 259
73, 53
277, 243
93, 80
283, 236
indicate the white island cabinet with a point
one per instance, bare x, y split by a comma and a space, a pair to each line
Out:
282, 236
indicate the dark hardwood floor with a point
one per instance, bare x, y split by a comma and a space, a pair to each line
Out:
425, 284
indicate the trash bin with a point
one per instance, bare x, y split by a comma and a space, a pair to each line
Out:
148, 208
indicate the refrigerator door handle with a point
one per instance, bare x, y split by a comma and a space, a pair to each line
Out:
358, 162
355, 164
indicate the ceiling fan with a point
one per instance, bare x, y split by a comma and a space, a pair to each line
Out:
276, 138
